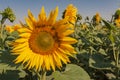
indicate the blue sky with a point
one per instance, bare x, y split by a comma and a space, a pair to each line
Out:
106, 8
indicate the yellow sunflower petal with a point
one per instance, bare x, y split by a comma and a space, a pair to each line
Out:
20, 46
57, 60
68, 40
25, 35
21, 57
52, 62
63, 28
24, 30
17, 51
21, 40
42, 15
62, 57
29, 23
47, 62
68, 48
28, 65
27, 58
23, 51
60, 22
38, 62
31, 17
65, 52
52, 17
68, 32
41, 61
32, 61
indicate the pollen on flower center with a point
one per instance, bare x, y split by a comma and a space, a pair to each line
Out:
44, 40
41, 42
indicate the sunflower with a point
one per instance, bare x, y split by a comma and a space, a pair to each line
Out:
16, 27
11, 29
97, 18
70, 13
84, 26
117, 22
45, 43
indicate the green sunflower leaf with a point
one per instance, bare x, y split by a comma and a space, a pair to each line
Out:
99, 61
9, 70
109, 25
72, 72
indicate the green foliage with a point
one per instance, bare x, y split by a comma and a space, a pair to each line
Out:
98, 49
8, 70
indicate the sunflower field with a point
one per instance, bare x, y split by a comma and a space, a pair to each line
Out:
70, 48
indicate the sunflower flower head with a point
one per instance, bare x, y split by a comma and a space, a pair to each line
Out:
71, 13
97, 18
117, 22
16, 27
117, 18
9, 29
84, 26
45, 42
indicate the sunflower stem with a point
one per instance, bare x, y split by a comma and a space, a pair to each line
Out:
43, 75
38, 75
1, 32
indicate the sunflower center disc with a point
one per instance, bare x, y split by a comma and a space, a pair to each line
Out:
44, 41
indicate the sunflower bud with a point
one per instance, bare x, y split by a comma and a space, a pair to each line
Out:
117, 18
96, 18
117, 22
117, 14
7, 14
9, 29
84, 26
